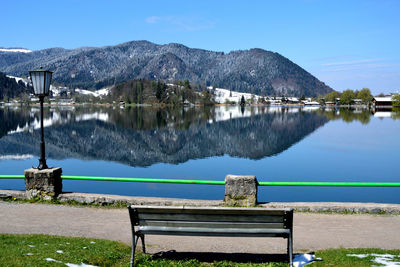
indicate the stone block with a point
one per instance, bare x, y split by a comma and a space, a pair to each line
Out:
241, 190
45, 184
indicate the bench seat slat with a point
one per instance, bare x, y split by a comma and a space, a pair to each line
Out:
211, 210
208, 218
193, 231
212, 224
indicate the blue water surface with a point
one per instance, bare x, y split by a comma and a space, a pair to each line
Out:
337, 151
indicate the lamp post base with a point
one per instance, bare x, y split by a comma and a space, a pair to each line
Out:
42, 164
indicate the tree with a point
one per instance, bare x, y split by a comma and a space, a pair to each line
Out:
321, 99
242, 101
396, 101
347, 97
160, 90
206, 98
186, 84
140, 93
365, 95
331, 97
253, 99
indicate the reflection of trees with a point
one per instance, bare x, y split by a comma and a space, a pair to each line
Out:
137, 118
331, 114
396, 113
148, 118
10, 119
364, 117
140, 118
348, 115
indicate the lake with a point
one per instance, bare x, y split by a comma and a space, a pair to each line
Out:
273, 143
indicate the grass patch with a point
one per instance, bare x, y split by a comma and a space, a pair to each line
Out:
33, 250
339, 257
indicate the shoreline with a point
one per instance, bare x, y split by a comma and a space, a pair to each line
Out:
162, 105
105, 199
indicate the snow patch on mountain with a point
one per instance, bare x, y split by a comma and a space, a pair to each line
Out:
224, 95
17, 79
98, 93
16, 50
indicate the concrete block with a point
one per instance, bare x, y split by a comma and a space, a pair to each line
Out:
240, 190
45, 184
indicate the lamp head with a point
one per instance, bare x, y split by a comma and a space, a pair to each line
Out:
41, 80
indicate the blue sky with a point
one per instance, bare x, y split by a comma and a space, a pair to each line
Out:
346, 44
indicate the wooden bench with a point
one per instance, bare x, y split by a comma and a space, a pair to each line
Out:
210, 221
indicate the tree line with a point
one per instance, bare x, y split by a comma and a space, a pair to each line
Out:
158, 92
348, 96
9, 88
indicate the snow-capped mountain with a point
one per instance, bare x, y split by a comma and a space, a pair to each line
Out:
255, 71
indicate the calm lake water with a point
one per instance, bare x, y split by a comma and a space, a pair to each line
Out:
273, 143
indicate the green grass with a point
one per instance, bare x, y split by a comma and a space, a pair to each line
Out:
32, 250
338, 257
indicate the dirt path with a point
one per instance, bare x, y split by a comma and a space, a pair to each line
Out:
312, 231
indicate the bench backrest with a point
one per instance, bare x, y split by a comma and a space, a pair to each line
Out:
212, 217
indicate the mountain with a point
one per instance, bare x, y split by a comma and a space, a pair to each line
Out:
10, 88
254, 71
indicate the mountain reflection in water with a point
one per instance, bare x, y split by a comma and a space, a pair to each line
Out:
143, 136
209, 143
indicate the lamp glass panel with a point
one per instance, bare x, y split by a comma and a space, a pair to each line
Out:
41, 81
33, 79
36, 82
47, 81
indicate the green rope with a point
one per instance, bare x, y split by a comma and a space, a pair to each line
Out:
144, 180
210, 182
335, 184
12, 176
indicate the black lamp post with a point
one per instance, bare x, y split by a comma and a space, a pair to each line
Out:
41, 80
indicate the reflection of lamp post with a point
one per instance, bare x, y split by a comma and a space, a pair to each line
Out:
41, 80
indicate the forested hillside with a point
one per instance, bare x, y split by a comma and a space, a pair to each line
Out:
255, 71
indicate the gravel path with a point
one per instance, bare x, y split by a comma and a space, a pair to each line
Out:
312, 231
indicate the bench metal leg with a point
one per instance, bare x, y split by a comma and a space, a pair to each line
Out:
133, 249
143, 245
135, 239
290, 250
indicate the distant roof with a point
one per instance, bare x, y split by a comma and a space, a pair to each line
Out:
383, 99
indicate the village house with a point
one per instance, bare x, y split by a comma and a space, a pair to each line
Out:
383, 101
